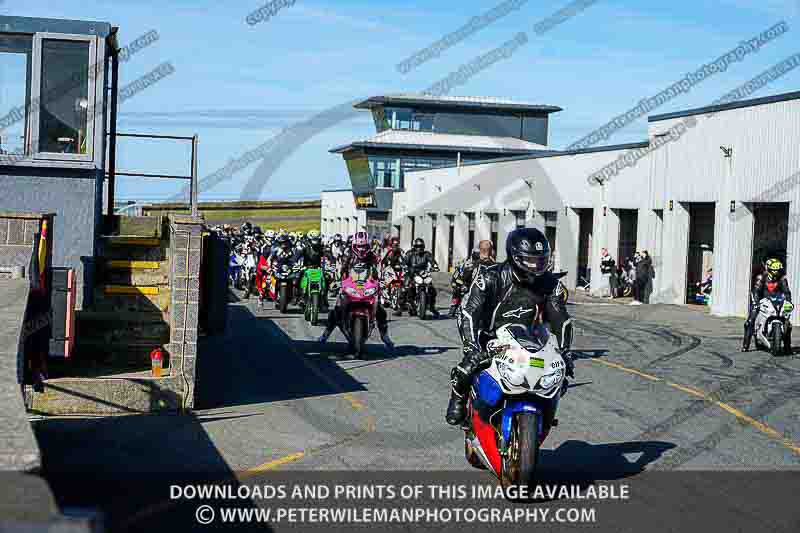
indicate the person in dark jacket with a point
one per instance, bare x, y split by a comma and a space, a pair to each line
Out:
647, 275
419, 260
520, 290
608, 267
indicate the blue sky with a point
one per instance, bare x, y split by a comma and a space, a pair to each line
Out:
237, 85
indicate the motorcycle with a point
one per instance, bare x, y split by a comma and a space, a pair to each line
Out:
281, 285
359, 302
459, 290
772, 324
625, 288
235, 262
421, 294
392, 288
513, 404
248, 275
312, 286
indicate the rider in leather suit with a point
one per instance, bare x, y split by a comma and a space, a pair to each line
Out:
361, 255
418, 260
774, 276
311, 256
521, 290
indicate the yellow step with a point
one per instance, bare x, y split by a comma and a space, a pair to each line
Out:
127, 289
134, 265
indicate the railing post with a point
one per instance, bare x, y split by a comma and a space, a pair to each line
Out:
112, 146
193, 191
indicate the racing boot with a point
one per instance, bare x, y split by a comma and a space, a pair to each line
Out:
457, 407
387, 341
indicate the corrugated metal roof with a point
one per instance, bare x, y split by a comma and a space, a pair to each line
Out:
443, 141
725, 107
484, 102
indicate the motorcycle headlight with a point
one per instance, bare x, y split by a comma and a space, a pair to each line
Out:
548, 381
351, 291
370, 292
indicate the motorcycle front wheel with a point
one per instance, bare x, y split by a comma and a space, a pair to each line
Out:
776, 341
359, 336
314, 309
518, 467
284, 299
422, 304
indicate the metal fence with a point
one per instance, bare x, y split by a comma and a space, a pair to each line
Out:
113, 172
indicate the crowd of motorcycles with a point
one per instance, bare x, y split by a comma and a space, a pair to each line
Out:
286, 282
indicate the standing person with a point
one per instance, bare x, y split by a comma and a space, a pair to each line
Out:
607, 267
649, 276
638, 279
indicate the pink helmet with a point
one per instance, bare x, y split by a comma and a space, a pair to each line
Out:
361, 244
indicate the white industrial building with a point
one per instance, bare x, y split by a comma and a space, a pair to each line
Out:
723, 191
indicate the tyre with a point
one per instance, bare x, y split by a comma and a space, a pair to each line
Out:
519, 465
314, 309
422, 305
776, 340
359, 334
283, 298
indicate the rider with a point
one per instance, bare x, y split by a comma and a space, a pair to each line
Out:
418, 260
361, 255
394, 260
522, 289
311, 255
394, 256
462, 278
772, 279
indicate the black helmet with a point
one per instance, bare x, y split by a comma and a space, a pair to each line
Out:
528, 250
315, 242
283, 240
419, 245
476, 254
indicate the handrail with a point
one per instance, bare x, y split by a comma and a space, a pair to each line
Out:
193, 188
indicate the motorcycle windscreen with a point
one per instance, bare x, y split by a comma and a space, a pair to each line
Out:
359, 274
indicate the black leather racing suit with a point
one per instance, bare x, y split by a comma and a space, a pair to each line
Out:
416, 262
756, 295
498, 297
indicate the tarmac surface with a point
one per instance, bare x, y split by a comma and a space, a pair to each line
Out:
657, 388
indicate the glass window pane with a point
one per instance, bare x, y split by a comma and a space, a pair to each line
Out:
15, 56
64, 106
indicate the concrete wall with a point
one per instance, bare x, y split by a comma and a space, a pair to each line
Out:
75, 201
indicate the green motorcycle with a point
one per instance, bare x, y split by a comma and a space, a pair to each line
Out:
312, 287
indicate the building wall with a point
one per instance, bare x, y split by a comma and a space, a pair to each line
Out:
764, 167
75, 202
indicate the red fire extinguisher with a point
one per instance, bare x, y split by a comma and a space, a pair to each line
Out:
156, 362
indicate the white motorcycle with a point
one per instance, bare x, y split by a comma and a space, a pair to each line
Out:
513, 403
772, 324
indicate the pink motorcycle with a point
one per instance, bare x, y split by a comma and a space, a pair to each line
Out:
359, 302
